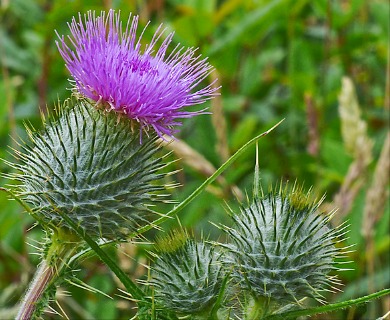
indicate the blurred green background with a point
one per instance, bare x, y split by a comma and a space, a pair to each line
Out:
274, 59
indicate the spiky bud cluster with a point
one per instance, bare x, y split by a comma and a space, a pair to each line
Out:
91, 167
282, 248
187, 274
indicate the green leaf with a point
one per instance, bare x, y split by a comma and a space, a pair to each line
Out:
207, 182
329, 307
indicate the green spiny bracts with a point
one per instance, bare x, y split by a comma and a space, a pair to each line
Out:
90, 166
187, 275
282, 249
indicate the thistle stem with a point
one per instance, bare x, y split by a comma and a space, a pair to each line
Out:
63, 245
43, 276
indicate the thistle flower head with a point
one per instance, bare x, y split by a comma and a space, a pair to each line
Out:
89, 166
282, 248
148, 86
187, 275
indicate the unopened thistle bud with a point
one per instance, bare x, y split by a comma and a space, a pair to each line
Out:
187, 275
282, 249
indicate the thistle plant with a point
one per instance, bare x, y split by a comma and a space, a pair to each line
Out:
92, 174
86, 168
89, 169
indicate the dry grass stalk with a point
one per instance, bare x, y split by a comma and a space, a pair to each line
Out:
357, 143
378, 193
200, 164
353, 127
312, 121
376, 199
219, 121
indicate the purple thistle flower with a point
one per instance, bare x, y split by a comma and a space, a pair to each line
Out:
109, 67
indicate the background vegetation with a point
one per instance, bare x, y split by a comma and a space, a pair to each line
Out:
274, 59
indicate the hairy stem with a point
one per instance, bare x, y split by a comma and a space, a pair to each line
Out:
38, 285
131, 287
62, 246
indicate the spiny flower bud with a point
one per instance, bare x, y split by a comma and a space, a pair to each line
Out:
91, 167
187, 275
283, 248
